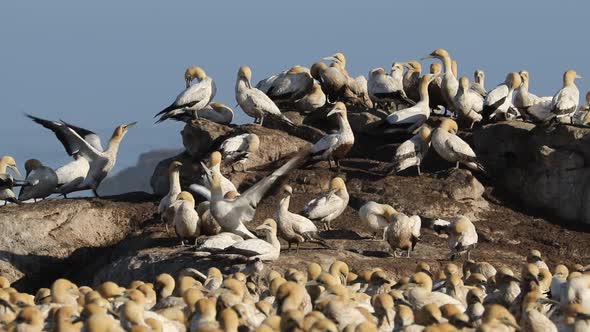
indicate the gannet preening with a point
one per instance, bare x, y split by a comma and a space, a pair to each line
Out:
566, 100
253, 101
403, 232
83, 144
449, 83
186, 218
173, 191
40, 182
463, 237
335, 146
468, 103
498, 102
332, 80
413, 117
330, 205
523, 99
288, 86
232, 214
412, 79
7, 181
411, 152
376, 216
194, 98
295, 228
479, 80
239, 148
385, 89
312, 101
452, 148
253, 248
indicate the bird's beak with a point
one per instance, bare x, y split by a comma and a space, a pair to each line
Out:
429, 56
332, 112
579, 77
14, 169
331, 58
388, 317
127, 126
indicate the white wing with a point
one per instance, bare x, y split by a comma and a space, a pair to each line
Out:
323, 206
194, 94
252, 247
406, 116
302, 225
460, 147
499, 92
325, 143
261, 102
416, 223
233, 144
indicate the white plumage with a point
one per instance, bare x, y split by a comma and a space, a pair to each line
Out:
411, 152
451, 147
330, 205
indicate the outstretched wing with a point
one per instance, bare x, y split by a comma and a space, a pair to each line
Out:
71, 137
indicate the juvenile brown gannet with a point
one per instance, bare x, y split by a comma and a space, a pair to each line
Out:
384, 89
232, 214
498, 102
411, 152
452, 148
264, 250
337, 145
173, 191
412, 79
565, 101
523, 99
40, 182
330, 205
376, 216
468, 104
82, 143
186, 218
449, 83
6, 181
312, 101
403, 233
254, 102
294, 227
194, 98
239, 148
413, 117
288, 86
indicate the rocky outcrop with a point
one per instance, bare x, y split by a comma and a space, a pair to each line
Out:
547, 169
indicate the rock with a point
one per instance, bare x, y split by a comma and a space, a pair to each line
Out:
198, 136
545, 169
463, 186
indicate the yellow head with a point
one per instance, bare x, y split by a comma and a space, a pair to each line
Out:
439, 53
496, 313
287, 189
317, 69
461, 225
426, 79
422, 280
269, 225
192, 73
425, 133
479, 76
253, 143
449, 125
339, 108
231, 195
8, 161
121, 131
388, 211
524, 76
396, 66
297, 70
377, 71
218, 106
174, 166
215, 158
464, 83
414, 66
245, 73
570, 76
514, 80
562, 271
337, 183
185, 196
435, 68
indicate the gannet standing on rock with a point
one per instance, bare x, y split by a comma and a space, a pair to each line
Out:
239, 148
194, 98
330, 205
215, 164
337, 145
293, 227
411, 152
523, 99
6, 181
384, 89
413, 117
452, 148
403, 232
312, 101
449, 84
332, 80
498, 102
173, 191
412, 79
264, 250
82, 143
468, 103
186, 218
231, 214
253, 101
376, 216
289, 85
40, 182
565, 102
479, 80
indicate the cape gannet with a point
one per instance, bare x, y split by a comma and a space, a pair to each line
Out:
215, 164
468, 104
253, 101
479, 81
40, 182
384, 89
463, 237
422, 293
207, 224
523, 99
452, 148
232, 214
238, 149
82, 143
173, 191
413, 117
583, 114
264, 250
403, 232
330, 205
449, 83
194, 98
566, 100
7, 181
288, 86
312, 101
376, 216
295, 228
411, 152
333, 81
412, 79
435, 94
498, 103
337, 145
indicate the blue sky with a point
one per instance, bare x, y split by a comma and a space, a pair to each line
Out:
103, 63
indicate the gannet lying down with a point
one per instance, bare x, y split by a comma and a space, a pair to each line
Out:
330, 205
403, 232
232, 214
411, 152
452, 148
337, 145
257, 249
384, 89
40, 182
216, 112
312, 101
7, 181
376, 216
287, 86
239, 148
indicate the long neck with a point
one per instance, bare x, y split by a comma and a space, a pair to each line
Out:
113, 147
284, 204
241, 84
3, 167
174, 179
424, 91
216, 192
272, 239
344, 125
448, 66
525, 84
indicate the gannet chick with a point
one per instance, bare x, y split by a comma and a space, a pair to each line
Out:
468, 103
312, 101
376, 216
194, 98
290, 85
239, 148
173, 191
186, 218
6, 181
498, 102
463, 237
523, 99
82, 143
253, 101
452, 148
403, 233
40, 182
565, 101
479, 78
384, 89
330, 205
294, 227
231, 214
412, 79
449, 83
264, 250
413, 117
335, 146
422, 293
411, 152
